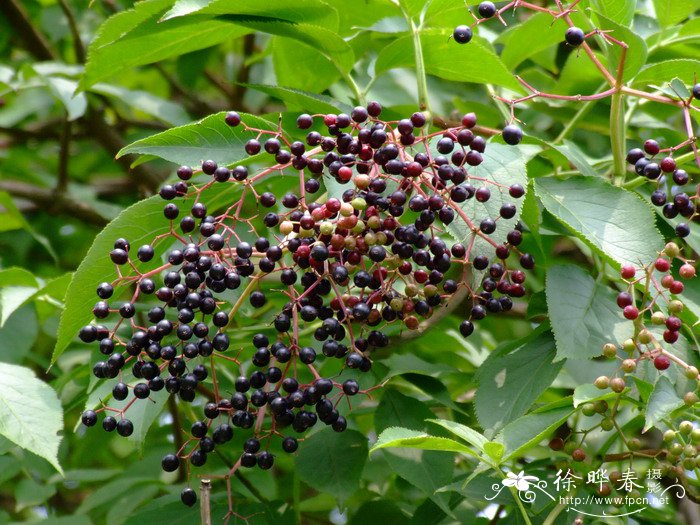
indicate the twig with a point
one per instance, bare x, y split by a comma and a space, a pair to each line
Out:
19, 20
77, 42
63, 156
205, 501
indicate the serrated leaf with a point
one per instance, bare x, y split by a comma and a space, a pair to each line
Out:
670, 12
525, 432
502, 165
636, 54
662, 401
574, 154
397, 437
209, 138
302, 100
494, 450
150, 41
614, 221
30, 412
475, 62
621, 11
685, 69
308, 11
139, 223
343, 455
510, 382
583, 313
469, 435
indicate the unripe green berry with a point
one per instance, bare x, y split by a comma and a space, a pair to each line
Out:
602, 382
609, 350
691, 372
672, 250
359, 203
690, 451
695, 435
588, 409
644, 337
601, 406
634, 444
658, 318
327, 228
669, 436
607, 424
675, 306
617, 384
688, 463
629, 365
685, 428
629, 345
690, 398
676, 449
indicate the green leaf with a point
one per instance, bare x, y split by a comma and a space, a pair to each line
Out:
16, 286
18, 334
296, 99
398, 437
538, 30
343, 455
662, 401
378, 511
684, 68
502, 165
30, 412
425, 469
574, 154
586, 393
670, 12
139, 224
13, 218
64, 90
469, 435
151, 41
620, 11
122, 23
146, 102
510, 382
525, 432
495, 450
636, 55
614, 221
308, 11
583, 313
475, 62
29, 493
209, 138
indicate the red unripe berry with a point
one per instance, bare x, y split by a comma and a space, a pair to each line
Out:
668, 165
405, 268
345, 174
667, 281
329, 120
670, 336
627, 271
413, 169
420, 276
687, 271
333, 205
662, 265
673, 323
303, 251
676, 287
630, 312
661, 362
518, 276
651, 147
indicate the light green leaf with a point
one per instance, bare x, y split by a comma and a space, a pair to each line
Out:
463, 432
397, 437
614, 221
685, 69
139, 224
64, 90
670, 12
30, 412
29, 493
146, 102
538, 30
475, 62
586, 393
636, 55
296, 99
299, 66
18, 334
115, 27
16, 286
210, 138
343, 455
13, 216
662, 401
316, 12
574, 154
583, 314
510, 382
152, 41
494, 450
502, 165
525, 432
620, 11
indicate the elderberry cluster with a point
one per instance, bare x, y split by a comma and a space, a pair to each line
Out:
669, 180
353, 266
